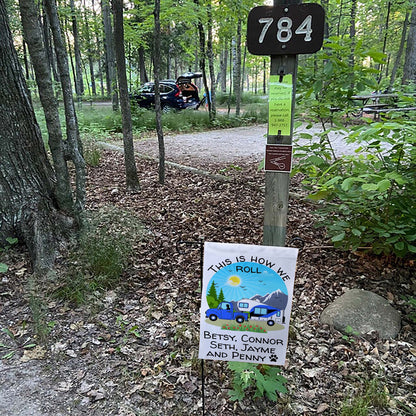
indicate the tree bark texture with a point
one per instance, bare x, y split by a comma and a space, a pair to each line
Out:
33, 37
74, 145
132, 180
28, 207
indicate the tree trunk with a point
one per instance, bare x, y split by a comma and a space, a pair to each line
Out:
409, 69
33, 37
202, 65
90, 53
223, 69
210, 55
158, 108
48, 44
142, 66
28, 208
79, 83
237, 68
399, 53
109, 54
353, 14
132, 181
74, 145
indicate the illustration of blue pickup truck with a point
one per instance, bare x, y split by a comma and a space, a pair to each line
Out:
226, 310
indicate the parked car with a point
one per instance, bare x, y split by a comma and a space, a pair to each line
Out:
178, 95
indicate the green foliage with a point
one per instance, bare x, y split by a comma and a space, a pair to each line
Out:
370, 195
11, 241
350, 334
263, 379
373, 395
42, 327
9, 350
327, 80
102, 256
223, 99
92, 151
412, 303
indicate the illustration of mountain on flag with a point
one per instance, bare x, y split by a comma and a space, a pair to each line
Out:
247, 296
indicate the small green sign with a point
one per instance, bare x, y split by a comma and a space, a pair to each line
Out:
280, 105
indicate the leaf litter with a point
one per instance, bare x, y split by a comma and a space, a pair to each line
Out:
133, 349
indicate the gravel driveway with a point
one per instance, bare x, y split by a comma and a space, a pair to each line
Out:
228, 145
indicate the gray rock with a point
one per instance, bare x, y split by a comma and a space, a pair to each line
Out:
363, 311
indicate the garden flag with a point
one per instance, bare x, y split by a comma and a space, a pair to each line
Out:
246, 302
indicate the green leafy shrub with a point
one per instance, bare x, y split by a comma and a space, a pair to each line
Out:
327, 80
263, 379
369, 196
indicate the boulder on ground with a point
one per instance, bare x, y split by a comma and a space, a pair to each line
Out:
363, 311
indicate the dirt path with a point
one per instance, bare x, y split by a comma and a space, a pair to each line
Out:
230, 145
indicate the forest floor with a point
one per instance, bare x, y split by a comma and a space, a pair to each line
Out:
132, 350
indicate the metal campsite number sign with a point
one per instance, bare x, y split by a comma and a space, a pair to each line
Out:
285, 30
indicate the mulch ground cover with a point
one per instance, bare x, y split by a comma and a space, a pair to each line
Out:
132, 350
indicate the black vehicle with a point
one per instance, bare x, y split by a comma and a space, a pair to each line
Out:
178, 95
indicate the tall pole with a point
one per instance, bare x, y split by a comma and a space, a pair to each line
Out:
277, 183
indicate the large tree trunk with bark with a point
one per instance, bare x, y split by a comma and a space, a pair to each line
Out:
33, 37
28, 207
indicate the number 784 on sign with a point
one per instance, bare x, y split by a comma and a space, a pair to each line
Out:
285, 30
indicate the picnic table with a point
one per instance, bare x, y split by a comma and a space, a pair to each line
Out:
379, 103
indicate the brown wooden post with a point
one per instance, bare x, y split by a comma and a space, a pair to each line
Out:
277, 183
283, 31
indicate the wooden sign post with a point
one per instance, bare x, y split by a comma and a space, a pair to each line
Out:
282, 31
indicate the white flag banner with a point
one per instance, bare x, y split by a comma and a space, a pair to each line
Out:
246, 302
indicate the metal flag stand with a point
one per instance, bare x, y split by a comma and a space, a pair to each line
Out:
196, 245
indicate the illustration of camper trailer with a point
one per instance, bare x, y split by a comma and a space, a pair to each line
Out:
260, 312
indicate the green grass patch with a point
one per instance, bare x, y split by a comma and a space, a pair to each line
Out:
372, 395
106, 245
